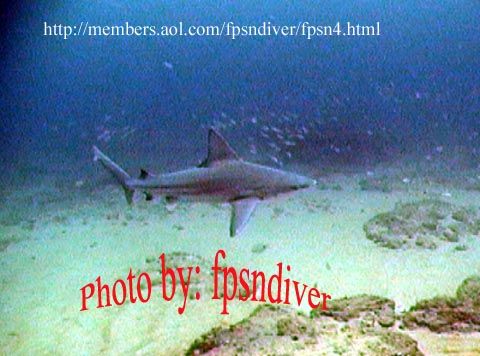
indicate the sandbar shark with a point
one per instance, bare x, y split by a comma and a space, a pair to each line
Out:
222, 177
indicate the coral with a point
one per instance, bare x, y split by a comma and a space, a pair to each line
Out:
280, 330
268, 328
441, 314
379, 310
425, 224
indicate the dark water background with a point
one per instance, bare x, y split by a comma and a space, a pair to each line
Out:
347, 100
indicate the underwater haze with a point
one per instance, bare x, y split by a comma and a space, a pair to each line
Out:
417, 82
380, 105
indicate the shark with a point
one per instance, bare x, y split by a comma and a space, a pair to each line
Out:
222, 177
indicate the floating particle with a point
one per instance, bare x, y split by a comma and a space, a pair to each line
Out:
79, 183
274, 145
274, 159
105, 136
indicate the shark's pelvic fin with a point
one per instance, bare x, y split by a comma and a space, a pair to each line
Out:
120, 175
218, 149
241, 211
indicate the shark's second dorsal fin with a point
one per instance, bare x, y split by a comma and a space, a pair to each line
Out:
144, 174
218, 149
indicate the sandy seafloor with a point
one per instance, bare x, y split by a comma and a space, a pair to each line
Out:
56, 240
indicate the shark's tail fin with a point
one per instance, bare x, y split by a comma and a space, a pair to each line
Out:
120, 175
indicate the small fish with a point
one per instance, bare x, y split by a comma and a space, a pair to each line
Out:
274, 159
273, 145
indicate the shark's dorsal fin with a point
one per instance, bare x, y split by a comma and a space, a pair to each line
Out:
218, 149
241, 211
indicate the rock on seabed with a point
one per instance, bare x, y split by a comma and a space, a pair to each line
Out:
353, 327
425, 224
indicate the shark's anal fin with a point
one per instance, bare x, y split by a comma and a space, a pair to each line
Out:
171, 203
218, 150
241, 211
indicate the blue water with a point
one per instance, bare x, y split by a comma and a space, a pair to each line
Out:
414, 87
407, 97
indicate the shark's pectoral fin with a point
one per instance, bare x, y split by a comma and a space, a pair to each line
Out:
241, 211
